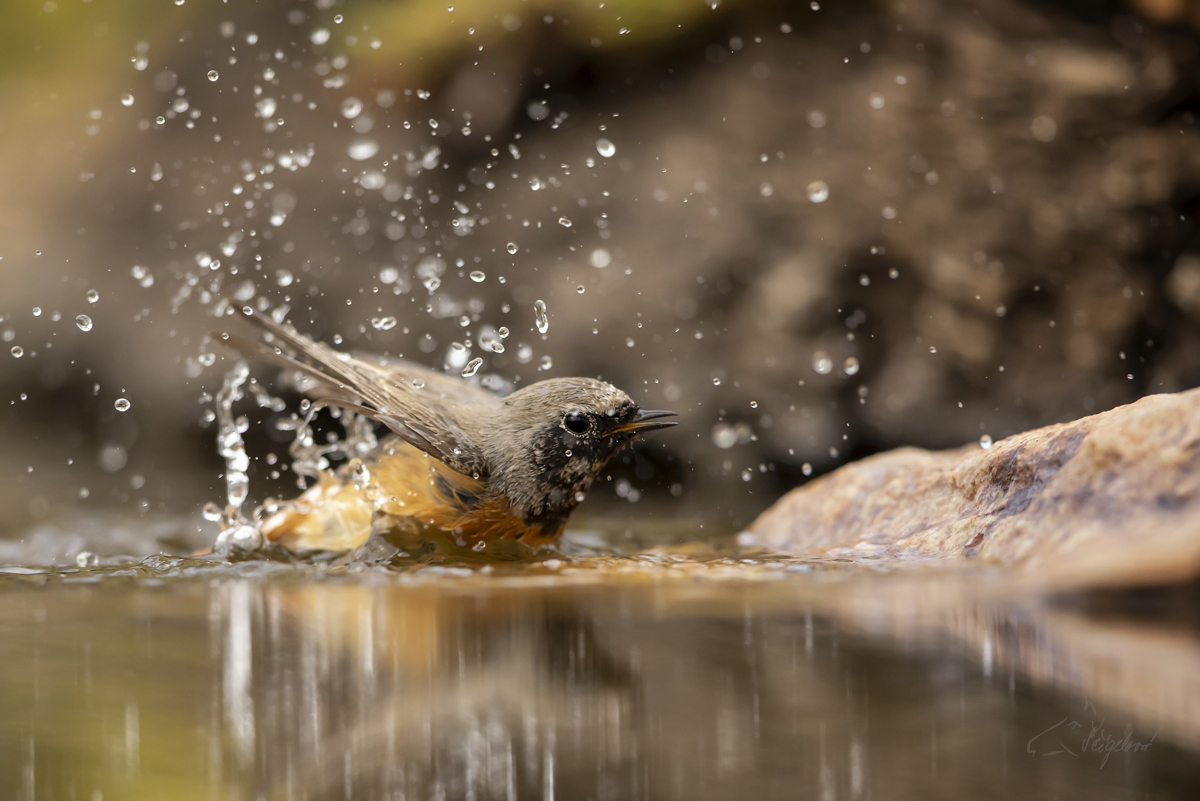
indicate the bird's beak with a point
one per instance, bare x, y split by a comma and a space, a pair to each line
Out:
643, 421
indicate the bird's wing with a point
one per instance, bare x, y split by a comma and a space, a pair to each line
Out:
445, 386
410, 400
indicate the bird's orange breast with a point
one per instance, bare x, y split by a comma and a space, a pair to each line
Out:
399, 488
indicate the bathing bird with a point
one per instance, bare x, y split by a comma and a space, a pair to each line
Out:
460, 459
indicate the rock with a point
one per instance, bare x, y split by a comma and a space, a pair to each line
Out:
1111, 498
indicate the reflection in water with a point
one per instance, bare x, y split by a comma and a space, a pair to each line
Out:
388, 688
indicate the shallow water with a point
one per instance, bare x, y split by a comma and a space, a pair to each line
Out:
687, 673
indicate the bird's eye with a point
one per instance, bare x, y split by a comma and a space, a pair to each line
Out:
576, 423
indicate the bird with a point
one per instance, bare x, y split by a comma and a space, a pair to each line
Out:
460, 459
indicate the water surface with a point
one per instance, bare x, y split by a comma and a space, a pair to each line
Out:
687, 674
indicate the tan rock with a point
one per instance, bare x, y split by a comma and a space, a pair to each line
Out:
1111, 498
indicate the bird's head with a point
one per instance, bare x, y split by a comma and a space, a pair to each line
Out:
554, 437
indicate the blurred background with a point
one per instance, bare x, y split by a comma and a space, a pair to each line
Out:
817, 230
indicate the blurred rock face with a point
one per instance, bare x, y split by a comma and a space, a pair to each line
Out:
814, 236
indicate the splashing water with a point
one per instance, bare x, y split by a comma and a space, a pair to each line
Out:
821, 363
539, 313
236, 535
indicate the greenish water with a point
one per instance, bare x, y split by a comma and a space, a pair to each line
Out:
677, 675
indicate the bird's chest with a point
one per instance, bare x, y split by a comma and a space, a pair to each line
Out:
400, 488
411, 487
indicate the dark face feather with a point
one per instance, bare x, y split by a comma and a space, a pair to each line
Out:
570, 449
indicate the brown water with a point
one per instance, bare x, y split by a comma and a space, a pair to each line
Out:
690, 674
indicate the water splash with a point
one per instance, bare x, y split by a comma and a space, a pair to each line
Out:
235, 535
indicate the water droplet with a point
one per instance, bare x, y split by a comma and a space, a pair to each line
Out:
546, 363
84, 322
383, 323
850, 366
932, 349
17, 351
213, 75
818, 191
37, 311
564, 222
629, 343
122, 404
503, 332
814, 5
337, 18
266, 107
351, 107
581, 289
127, 99
822, 363
363, 149
539, 314
746, 475
472, 367
806, 469
605, 148
753, 404
893, 273
512, 247
985, 442
212, 512
716, 382
600, 258
477, 276
92, 296
320, 36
